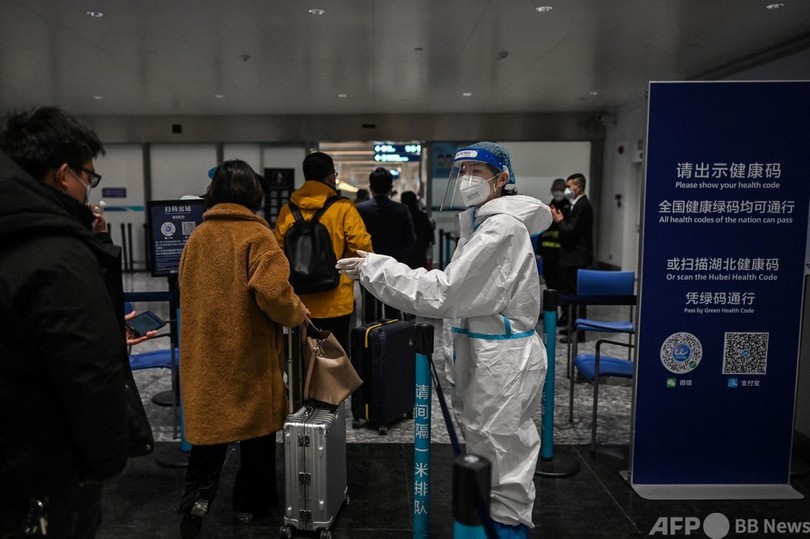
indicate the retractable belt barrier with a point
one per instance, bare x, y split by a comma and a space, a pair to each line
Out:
471, 473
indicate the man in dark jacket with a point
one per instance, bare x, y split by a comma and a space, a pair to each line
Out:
416, 255
63, 357
391, 228
576, 239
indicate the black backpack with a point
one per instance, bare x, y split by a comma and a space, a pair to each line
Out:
308, 247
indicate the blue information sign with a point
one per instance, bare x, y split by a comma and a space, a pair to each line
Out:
170, 223
386, 152
724, 239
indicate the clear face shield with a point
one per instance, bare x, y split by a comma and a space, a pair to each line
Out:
471, 178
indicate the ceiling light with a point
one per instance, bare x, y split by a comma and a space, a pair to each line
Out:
593, 92
316, 11
341, 96
98, 97
774, 6
543, 9
219, 96
467, 94
95, 14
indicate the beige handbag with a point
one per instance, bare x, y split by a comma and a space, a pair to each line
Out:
330, 374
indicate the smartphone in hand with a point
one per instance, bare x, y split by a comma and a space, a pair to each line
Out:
144, 322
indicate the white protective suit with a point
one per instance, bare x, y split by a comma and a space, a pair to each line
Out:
490, 294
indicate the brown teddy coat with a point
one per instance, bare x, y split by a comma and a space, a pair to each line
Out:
234, 299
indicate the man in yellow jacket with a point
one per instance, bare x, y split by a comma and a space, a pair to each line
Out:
331, 309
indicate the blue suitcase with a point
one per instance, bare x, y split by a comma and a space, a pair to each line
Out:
383, 354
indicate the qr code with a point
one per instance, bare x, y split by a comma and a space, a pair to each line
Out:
188, 227
745, 353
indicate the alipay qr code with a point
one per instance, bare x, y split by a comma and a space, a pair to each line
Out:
188, 227
745, 353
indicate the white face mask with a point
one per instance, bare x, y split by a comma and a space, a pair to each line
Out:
474, 190
88, 187
558, 195
569, 194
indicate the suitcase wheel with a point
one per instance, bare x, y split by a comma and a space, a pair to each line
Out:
325, 534
285, 532
383, 430
355, 423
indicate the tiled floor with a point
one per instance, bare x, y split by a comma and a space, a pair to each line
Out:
594, 502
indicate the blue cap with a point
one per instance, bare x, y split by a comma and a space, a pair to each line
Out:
490, 153
212, 172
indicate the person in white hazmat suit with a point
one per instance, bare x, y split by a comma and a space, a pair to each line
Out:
490, 295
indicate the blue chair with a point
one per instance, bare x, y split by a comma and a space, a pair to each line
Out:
592, 367
163, 358
154, 359
602, 284
606, 283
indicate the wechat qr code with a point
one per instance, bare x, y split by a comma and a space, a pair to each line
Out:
188, 227
745, 353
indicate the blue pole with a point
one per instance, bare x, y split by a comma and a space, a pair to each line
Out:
550, 300
550, 465
423, 342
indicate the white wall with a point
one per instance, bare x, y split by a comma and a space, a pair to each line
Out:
537, 164
249, 153
622, 175
284, 157
180, 169
122, 169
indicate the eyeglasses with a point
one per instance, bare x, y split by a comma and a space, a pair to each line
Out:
95, 178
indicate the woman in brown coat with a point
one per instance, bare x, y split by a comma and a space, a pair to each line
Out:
234, 299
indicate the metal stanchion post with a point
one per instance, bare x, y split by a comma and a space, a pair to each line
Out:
423, 342
130, 260
124, 251
551, 465
175, 456
170, 397
471, 486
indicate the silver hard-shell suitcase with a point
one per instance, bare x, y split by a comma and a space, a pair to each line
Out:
315, 468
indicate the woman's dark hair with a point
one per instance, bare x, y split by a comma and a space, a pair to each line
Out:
235, 182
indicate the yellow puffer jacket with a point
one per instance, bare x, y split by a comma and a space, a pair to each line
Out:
348, 236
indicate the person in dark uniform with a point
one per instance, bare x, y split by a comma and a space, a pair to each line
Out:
576, 241
391, 228
416, 256
550, 239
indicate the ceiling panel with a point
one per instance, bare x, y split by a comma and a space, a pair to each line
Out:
158, 57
